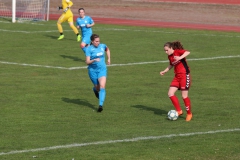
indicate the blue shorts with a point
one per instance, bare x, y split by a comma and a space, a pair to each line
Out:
86, 39
94, 75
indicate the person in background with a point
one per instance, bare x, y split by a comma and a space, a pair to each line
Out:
85, 23
67, 15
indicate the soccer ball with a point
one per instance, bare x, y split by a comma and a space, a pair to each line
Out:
172, 115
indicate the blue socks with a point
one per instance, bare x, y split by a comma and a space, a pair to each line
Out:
102, 95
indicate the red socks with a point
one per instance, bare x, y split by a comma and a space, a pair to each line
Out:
188, 105
175, 103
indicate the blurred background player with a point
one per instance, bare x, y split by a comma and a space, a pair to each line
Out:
182, 80
97, 68
85, 23
67, 15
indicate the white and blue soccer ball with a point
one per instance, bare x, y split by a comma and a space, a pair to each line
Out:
172, 115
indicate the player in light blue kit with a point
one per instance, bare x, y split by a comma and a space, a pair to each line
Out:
85, 23
97, 68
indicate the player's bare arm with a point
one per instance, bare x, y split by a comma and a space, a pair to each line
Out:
109, 57
88, 61
185, 54
90, 25
166, 70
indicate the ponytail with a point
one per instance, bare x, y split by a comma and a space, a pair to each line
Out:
174, 45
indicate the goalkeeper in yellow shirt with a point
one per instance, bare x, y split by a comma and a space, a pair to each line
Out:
67, 15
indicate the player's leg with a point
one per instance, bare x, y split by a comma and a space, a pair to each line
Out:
85, 42
96, 90
174, 99
185, 85
75, 30
174, 86
93, 77
187, 103
83, 46
102, 84
61, 19
102, 92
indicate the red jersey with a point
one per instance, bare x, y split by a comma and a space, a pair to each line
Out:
179, 66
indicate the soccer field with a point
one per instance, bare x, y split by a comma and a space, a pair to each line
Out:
48, 109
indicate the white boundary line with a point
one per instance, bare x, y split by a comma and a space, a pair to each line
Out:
112, 65
35, 65
118, 141
36, 23
116, 29
27, 32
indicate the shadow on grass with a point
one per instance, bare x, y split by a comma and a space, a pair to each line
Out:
155, 110
79, 102
52, 37
57, 36
73, 58
63, 41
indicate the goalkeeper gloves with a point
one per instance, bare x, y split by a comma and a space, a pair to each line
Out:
59, 8
66, 9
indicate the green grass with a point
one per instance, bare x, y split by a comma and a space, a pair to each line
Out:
45, 107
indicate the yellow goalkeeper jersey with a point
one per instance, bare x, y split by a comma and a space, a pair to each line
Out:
67, 3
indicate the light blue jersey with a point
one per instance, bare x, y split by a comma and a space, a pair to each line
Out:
86, 31
97, 70
96, 52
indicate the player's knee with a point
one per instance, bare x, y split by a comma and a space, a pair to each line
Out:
184, 96
72, 26
102, 87
170, 94
59, 24
70, 23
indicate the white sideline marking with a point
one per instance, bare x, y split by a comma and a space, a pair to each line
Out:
32, 65
116, 29
29, 32
36, 23
118, 141
112, 65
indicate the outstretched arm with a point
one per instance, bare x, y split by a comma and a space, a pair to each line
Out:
166, 70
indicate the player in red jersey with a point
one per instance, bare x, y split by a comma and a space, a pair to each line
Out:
182, 80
